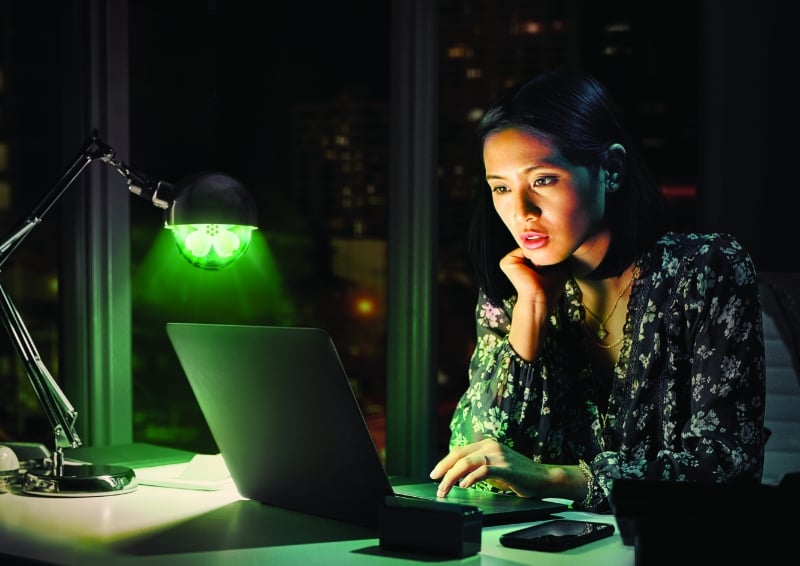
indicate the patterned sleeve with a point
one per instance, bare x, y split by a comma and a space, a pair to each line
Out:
502, 387
728, 381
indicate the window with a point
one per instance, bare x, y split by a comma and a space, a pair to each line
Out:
296, 108
486, 47
30, 164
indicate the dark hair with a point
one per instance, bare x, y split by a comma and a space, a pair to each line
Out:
574, 112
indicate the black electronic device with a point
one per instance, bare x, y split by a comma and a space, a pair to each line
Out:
250, 381
557, 535
430, 527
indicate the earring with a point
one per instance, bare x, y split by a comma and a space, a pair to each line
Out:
612, 183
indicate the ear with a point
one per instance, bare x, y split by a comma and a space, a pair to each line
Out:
613, 167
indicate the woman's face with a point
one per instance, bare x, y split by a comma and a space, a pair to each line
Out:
553, 209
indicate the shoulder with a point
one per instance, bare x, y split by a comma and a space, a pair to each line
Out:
699, 248
692, 244
712, 257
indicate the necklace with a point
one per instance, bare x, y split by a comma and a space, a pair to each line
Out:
602, 332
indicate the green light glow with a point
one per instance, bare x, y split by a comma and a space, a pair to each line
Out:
168, 288
212, 246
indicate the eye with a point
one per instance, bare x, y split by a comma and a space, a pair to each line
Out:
499, 189
544, 181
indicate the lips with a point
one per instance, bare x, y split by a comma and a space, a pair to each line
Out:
533, 240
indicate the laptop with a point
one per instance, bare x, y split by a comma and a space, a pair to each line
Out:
281, 410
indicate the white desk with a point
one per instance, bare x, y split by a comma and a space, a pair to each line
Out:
159, 525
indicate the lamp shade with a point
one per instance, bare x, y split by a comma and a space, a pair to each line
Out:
212, 218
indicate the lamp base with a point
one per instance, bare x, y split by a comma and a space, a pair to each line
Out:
83, 480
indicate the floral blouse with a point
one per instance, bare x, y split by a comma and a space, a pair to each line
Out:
687, 398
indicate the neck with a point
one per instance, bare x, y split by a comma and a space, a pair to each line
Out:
590, 254
605, 303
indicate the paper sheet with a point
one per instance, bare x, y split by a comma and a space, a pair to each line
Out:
205, 472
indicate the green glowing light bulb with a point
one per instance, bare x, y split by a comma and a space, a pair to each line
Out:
212, 246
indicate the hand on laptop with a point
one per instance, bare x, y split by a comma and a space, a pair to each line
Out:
484, 460
508, 470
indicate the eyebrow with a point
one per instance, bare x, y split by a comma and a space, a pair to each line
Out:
527, 170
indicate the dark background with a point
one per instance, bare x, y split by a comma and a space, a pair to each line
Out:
707, 87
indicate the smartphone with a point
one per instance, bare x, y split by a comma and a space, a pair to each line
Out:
557, 535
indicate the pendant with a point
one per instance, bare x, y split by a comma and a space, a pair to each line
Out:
602, 333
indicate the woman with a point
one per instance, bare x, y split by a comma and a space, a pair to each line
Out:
607, 346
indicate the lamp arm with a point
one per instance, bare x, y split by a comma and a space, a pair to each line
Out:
10, 244
56, 406
59, 410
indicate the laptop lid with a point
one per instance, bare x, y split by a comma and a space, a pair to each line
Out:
280, 407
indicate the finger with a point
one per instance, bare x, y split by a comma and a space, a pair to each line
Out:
466, 471
515, 257
480, 472
448, 461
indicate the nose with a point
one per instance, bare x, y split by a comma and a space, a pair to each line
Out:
524, 207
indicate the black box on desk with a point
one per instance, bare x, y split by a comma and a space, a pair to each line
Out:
430, 527
714, 523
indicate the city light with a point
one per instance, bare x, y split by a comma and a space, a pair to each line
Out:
365, 306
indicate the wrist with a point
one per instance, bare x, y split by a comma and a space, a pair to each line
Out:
569, 482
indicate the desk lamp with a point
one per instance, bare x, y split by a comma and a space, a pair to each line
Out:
210, 215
